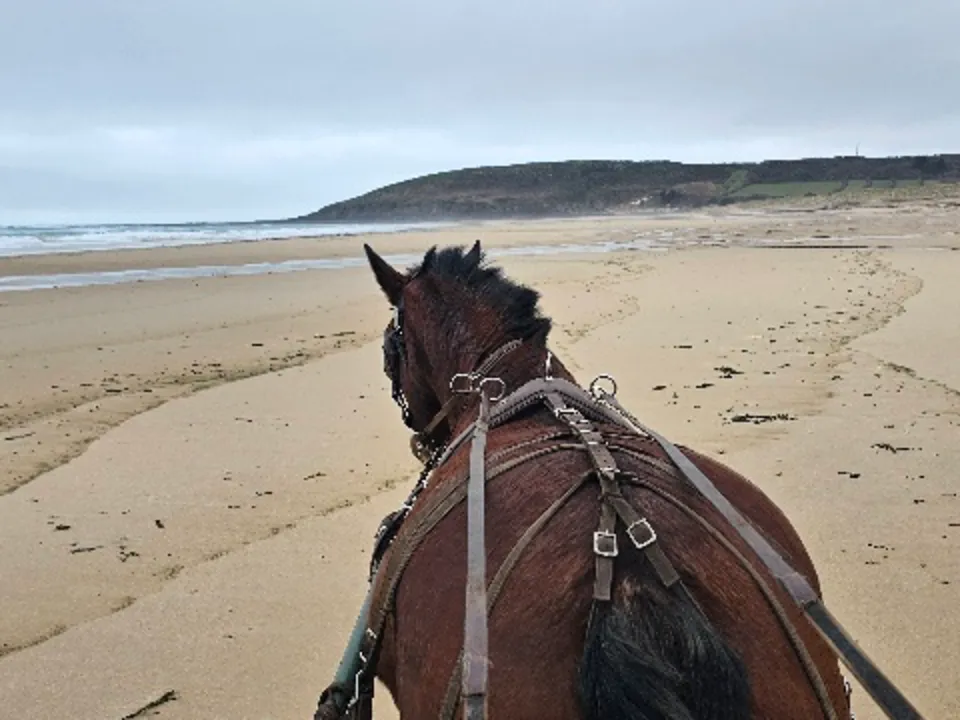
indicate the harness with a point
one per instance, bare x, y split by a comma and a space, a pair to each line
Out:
350, 694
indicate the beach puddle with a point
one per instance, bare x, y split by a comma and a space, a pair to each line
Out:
115, 277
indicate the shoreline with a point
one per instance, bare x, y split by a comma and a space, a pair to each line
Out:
788, 228
282, 249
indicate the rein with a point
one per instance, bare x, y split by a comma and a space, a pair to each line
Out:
350, 694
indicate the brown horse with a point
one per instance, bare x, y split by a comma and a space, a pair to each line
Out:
717, 650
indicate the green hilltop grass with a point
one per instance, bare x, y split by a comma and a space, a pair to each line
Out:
792, 190
815, 188
787, 189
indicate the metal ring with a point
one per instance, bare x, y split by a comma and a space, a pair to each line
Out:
597, 391
462, 383
496, 381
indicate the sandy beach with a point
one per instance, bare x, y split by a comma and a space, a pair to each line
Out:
191, 471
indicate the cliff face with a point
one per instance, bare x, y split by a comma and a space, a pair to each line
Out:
586, 187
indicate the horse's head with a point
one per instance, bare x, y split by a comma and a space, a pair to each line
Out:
449, 314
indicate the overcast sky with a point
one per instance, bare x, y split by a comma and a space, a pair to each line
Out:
159, 110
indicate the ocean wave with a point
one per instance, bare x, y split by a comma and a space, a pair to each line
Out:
53, 239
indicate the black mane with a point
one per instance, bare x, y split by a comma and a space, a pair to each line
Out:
487, 284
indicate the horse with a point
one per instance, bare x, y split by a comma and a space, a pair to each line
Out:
576, 632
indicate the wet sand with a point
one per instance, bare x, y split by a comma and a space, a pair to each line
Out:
193, 469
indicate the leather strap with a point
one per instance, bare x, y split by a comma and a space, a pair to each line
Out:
640, 531
605, 537
885, 693
412, 535
604, 550
612, 505
794, 583
452, 695
475, 632
532, 393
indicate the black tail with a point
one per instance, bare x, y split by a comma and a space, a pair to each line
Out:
660, 660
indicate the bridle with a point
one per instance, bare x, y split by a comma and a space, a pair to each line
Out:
394, 354
423, 444
427, 448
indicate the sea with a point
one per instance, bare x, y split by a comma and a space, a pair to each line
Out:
46, 239
22, 240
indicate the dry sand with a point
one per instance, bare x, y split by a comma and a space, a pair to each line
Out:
154, 538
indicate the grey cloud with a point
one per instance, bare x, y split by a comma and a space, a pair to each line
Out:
294, 103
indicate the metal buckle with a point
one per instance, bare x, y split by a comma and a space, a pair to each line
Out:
645, 542
471, 383
561, 411
608, 470
605, 543
463, 383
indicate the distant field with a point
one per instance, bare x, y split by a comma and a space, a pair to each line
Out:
787, 189
800, 189
880, 184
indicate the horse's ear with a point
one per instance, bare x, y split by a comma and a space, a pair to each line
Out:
473, 257
390, 280
428, 260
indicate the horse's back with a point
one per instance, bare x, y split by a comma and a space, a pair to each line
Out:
538, 625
